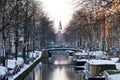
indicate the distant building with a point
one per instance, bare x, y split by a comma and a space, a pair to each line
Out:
60, 39
60, 27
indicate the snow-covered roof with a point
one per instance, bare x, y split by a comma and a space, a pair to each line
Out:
81, 59
98, 54
114, 77
113, 74
100, 62
118, 66
91, 53
115, 59
81, 53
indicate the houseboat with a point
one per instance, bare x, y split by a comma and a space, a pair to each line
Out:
95, 68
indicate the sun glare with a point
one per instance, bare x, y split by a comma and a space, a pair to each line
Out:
58, 10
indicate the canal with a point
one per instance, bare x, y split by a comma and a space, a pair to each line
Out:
60, 68
53, 72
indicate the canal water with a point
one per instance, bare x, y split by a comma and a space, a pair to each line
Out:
53, 72
60, 69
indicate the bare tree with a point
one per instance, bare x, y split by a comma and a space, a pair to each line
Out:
100, 22
21, 25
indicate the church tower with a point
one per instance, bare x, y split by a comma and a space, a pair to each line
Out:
60, 27
60, 39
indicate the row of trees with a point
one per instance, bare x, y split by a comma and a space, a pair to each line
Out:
24, 27
95, 25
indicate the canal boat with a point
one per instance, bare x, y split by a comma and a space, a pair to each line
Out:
80, 64
95, 68
112, 74
79, 55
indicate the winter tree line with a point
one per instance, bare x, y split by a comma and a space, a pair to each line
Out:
24, 27
95, 24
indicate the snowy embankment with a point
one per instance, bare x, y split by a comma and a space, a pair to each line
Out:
26, 66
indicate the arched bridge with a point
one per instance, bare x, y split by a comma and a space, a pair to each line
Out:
46, 53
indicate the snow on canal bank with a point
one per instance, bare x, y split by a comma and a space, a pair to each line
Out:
26, 66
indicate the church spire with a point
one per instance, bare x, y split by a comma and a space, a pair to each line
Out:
60, 26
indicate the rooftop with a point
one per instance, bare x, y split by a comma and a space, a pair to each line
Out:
115, 77
101, 62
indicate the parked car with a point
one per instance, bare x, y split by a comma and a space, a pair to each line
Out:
12, 66
20, 62
19, 54
3, 73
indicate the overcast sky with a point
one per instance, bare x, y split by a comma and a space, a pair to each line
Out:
58, 10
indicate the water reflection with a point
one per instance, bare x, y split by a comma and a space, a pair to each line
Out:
53, 72
59, 74
35, 74
38, 73
60, 69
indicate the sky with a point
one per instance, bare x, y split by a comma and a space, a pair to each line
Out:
58, 10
